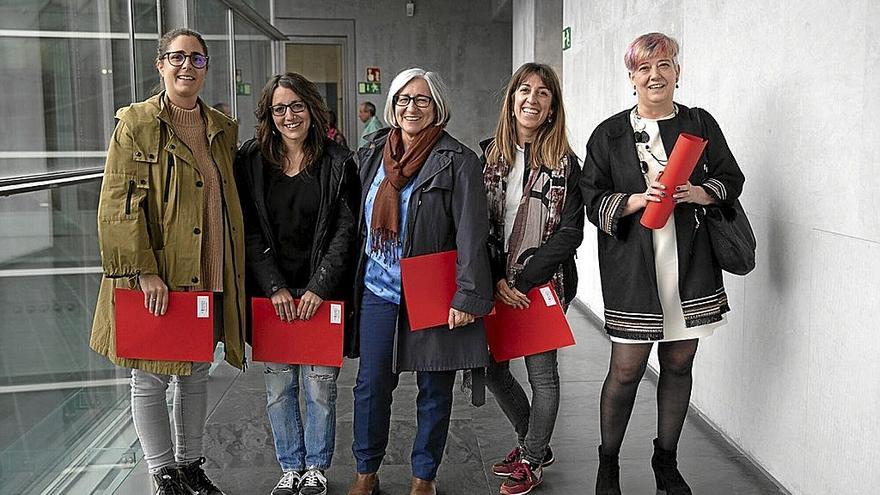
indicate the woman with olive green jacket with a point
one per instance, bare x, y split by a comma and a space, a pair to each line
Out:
150, 205
169, 219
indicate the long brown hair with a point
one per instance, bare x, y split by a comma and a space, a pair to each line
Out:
271, 143
551, 141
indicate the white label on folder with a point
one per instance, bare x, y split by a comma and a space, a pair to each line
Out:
335, 314
547, 294
203, 305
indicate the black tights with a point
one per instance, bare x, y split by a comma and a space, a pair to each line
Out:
628, 362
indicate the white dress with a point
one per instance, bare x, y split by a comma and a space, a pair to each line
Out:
665, 246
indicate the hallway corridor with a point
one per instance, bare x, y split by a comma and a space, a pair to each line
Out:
241, 455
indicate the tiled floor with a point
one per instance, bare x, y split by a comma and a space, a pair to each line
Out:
241, 455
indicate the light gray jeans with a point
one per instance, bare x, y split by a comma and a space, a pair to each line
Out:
149, 412
533, 422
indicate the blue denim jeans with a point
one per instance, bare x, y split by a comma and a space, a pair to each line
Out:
300, 445
373, 393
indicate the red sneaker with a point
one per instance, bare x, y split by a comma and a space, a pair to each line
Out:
522, 479
505, 466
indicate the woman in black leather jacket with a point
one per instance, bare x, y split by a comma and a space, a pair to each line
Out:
297, 191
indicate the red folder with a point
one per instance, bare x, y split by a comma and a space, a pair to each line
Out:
682, 161
316, 341
428, 286
542, 327
184, 333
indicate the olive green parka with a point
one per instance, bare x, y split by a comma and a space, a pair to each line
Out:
150, 214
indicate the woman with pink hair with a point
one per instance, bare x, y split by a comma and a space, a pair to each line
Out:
662, 285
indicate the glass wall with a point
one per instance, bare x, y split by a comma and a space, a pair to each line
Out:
54, 390
67, 66
211, 19
253, 67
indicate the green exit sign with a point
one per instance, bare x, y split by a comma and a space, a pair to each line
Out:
369, 88
566, 38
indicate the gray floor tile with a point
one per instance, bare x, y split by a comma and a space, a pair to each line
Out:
242, 459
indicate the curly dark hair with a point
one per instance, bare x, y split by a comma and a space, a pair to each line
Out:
271, 144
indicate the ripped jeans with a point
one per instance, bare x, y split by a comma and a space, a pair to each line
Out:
302, 444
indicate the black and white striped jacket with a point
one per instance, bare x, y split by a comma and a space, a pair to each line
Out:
611, 173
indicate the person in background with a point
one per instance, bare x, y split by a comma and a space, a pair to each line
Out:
422, 193
536, 222
169, 220
367, 115
223, 107
661, 285
333, 132
298, 192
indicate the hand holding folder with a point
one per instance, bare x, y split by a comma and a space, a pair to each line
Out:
429, 284
184, 333
541, 327
316, 341
680, 166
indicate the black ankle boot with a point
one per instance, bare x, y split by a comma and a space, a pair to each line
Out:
608, 477
193, 476
167, 482
669, 480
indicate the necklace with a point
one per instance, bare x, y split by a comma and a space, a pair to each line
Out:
290, 165
642, 139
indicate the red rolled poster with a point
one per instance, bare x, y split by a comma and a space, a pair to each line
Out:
682, 161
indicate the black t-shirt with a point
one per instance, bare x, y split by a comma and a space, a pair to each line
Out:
293, 213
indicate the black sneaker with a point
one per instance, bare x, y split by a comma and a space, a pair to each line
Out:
193, 476
288, 484
167, 482
313, 482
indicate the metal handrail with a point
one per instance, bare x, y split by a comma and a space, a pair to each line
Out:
255, 18
30, 183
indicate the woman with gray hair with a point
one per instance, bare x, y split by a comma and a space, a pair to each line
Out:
662, 285
422, 193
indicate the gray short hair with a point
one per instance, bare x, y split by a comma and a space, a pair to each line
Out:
438, 92
368, 106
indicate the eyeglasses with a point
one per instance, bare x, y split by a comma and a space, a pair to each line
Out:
177, 59
422, 101
294, 106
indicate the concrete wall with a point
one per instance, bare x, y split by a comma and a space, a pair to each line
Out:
537, 33
792, 379
459, 40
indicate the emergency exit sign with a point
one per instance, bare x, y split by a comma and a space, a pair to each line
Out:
566, 38
369, 88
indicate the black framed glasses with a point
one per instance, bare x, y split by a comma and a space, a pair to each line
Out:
295, 106
177, 59
421, 101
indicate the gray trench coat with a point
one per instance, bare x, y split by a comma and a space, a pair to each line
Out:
447, 210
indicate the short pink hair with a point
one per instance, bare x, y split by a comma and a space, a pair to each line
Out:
649, 46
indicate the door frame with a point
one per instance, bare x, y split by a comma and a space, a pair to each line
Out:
327, 32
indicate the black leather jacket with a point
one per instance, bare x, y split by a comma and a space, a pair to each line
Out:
332, 254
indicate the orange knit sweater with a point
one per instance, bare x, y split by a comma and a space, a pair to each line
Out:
190, 127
